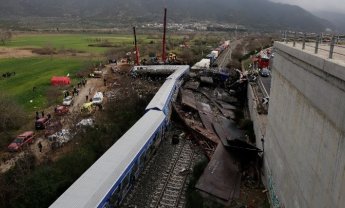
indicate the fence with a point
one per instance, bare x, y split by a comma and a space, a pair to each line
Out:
314, 40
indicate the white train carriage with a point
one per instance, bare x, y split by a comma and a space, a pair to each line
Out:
179, 72
162, 100
109, 179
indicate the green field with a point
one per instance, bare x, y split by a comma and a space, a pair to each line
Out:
36, 72
79, 42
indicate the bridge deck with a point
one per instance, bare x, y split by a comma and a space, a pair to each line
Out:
338, 55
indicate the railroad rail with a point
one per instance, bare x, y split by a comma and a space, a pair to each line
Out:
222, 61
170, 191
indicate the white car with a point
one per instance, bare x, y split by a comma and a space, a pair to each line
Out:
67, 101
86, 122
97, 98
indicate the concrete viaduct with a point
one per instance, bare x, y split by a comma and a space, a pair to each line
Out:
304, 131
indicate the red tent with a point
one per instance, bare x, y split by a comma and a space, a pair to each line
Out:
60, 81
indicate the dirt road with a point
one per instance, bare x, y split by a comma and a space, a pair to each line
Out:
15, 53
92, 85
30, 52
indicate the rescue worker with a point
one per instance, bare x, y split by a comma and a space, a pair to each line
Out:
40, 146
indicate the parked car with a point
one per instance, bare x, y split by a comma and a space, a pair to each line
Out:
97, 98
22, 140
42, 123
264, 72
67, 101
61, 110
96, 74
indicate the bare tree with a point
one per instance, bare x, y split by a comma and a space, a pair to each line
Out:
5, 36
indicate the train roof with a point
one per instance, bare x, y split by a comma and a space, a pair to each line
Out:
183, 69
161, 98
91, 188
171, 68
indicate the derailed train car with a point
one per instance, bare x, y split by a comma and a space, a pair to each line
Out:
108, 180
167, 93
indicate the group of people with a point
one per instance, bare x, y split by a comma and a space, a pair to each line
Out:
42, 113
75, 90
82, 83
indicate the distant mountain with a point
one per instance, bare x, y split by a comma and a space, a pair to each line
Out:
337, 19
253, 13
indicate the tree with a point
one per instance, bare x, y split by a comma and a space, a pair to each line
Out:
5, 36
12, 115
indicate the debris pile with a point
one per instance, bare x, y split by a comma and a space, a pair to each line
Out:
208, 104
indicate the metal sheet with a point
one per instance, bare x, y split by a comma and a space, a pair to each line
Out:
207, 119
204, 107
227, 130
192, 85
207, 80
221, 176
226, 105
229, 99
188, 99
231, 136
227, 113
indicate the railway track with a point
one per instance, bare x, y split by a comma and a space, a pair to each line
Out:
226, 56
170, 191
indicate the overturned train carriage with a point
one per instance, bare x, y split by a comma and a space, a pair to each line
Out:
108, 180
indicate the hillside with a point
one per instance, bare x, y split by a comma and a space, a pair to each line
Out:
253, 13
337, 19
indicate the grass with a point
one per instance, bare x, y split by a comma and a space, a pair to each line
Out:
79, 42
36, 72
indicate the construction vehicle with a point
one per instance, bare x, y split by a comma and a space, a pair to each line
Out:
172, 57
87, 108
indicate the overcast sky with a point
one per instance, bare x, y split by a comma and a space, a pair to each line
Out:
315, 5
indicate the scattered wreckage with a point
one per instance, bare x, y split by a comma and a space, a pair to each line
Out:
208, 105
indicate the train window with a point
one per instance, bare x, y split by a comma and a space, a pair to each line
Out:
116, 197
146, 155
155, 138
125, 182
117, 191
136, 166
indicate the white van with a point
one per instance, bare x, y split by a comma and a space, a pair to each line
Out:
97, 98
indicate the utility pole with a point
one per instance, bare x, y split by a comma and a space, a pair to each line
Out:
136, 47
164, 36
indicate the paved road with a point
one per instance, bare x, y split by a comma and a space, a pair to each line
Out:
266, 82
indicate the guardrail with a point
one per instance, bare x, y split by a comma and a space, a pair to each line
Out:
314, 40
